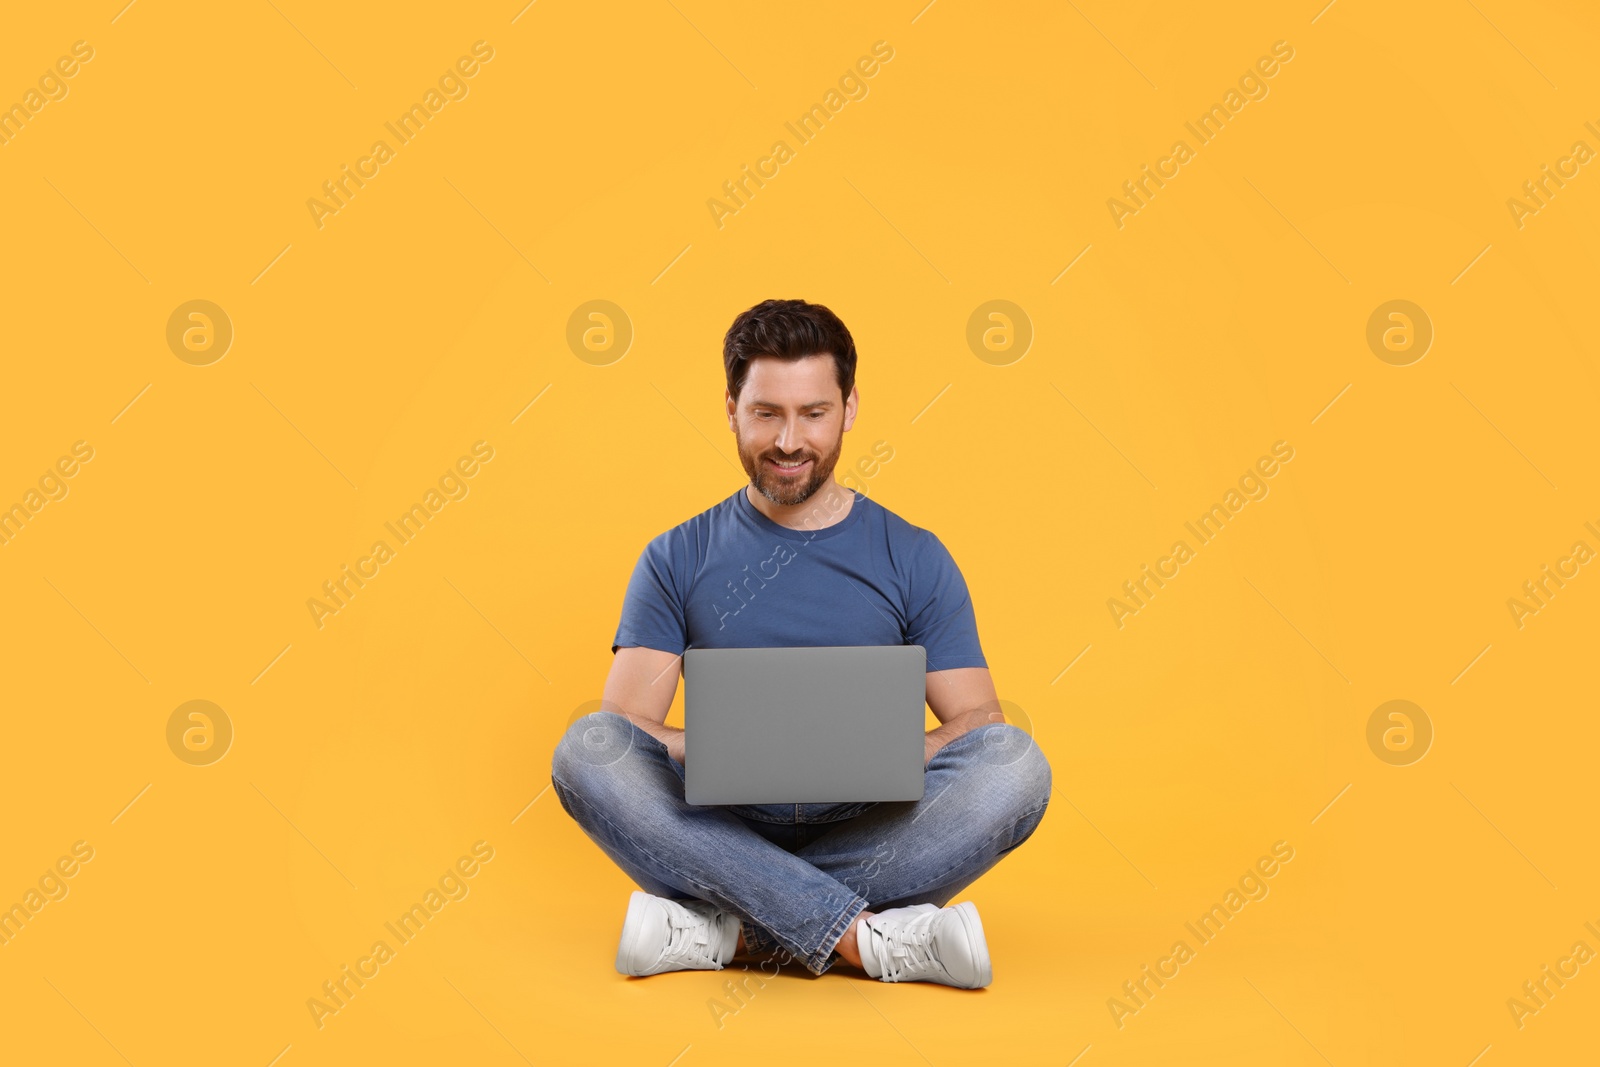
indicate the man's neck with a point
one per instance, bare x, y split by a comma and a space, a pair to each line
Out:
826, 507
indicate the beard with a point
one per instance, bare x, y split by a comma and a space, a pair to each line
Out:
788, 489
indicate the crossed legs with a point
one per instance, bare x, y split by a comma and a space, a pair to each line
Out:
985, 793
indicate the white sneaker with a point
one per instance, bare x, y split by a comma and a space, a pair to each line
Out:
926, 943
674, 935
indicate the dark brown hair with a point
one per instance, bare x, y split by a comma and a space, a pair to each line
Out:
788, 330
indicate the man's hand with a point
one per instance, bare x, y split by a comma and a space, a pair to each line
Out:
671, 736
976, 719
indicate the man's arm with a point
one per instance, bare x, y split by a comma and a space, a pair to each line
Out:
962, 699
640, 687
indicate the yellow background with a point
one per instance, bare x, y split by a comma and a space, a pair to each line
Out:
371, 352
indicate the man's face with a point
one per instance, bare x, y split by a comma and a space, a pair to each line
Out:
789, 423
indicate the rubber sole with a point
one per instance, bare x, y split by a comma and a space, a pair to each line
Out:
967, 912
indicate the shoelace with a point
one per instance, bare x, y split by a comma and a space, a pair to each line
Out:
908, 950
689, 938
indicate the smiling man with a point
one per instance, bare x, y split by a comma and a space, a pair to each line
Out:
796, 559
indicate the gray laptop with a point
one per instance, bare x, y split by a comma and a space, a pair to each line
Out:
804, 725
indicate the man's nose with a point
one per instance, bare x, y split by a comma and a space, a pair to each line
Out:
789, 434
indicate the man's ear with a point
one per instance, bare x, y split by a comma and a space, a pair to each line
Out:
850, 406
732, 406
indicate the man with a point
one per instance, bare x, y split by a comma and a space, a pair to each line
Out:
796, 559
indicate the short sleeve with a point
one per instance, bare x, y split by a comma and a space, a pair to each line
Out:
653, 609
941, 618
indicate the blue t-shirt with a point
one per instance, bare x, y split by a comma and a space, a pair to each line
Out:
732, 578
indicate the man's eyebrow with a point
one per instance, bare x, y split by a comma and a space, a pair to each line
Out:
813, 404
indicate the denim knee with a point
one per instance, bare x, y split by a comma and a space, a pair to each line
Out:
1033, 781
1013, 760
594, 741
1033, 769
1013, 754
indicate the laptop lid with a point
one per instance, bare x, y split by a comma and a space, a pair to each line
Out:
804, 725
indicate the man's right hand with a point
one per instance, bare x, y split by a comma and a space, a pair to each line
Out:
671, 736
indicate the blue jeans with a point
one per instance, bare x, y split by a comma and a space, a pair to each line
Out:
798, 875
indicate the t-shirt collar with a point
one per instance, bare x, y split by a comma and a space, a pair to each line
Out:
753, 513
